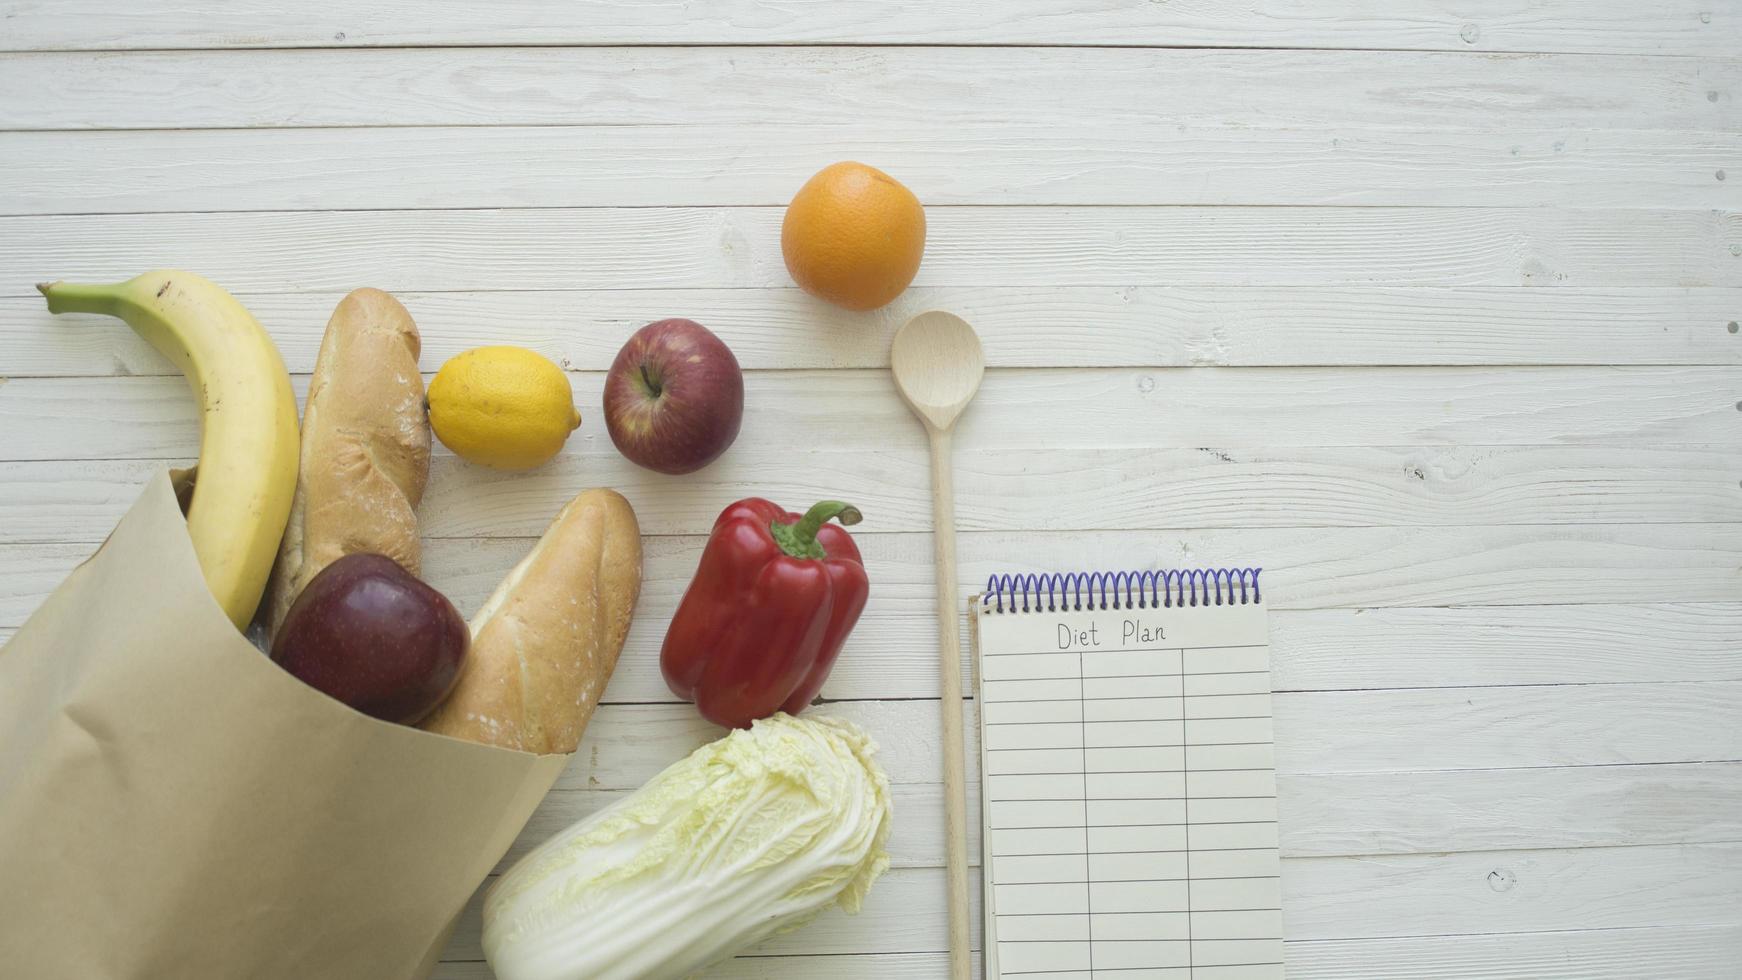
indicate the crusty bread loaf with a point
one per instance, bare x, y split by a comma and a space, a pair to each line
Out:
545, 643
365, 448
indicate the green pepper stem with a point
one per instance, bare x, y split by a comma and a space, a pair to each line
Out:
800, 540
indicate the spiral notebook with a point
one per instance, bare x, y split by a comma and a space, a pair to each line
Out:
1128, 781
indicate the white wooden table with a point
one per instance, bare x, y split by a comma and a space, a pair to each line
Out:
1428, 306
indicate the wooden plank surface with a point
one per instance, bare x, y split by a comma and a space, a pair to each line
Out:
885, 86
1669, 28
1036, 161
1066, 490
1428, 307
1691, 953
1352, 814
1313, 650
1109, 326
1323, 732
1685, 952
558, 248
1363, 898
1139, 409
1307, 568
1600, 628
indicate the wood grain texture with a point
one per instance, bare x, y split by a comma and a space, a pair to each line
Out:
1654, 638
1477, 646
1498, 727
1508, 570
1108, 326
1673, 28
1028, 409
1038, 161
1067, 489
950, 662
1685, 952
1511, 891
1363, 898
1329, 815
1319, 733
1477, 810
1306, 568
1315, 650
556, 248
887, 86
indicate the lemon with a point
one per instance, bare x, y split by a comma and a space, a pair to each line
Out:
507, 408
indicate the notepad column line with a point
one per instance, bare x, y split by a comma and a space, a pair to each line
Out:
1088, 872
1186, 805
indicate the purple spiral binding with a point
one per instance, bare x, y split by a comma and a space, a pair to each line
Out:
1074, 591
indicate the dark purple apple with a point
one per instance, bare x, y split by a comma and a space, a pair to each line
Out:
674, 398
371, 634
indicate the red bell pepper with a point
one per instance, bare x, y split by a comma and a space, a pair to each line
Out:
765, 617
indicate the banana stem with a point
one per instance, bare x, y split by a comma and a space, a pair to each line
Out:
72, 297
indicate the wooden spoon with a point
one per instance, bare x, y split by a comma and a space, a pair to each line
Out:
938, 364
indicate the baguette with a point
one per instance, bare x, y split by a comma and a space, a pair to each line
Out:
545, 643
365, 449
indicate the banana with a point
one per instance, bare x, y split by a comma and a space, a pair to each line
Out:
248, 437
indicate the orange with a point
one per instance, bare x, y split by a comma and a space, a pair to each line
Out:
853, 235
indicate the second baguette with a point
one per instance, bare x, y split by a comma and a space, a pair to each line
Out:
546, 642
365, 449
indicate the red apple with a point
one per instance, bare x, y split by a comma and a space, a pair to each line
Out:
371, 634
674, 398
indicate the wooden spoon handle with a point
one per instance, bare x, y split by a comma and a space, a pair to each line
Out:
943, 507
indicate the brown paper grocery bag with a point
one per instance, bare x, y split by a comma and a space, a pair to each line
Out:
173, 804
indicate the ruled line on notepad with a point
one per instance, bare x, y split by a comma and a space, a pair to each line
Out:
1228, 939
1042, 915
1186, 812
1116, 826
1161, 745
1130, 772
1127, 969
1133, 969
1088, 871
1126, 697
1136, 881
1114, 799
1137, 721
1124, 850
1126, 677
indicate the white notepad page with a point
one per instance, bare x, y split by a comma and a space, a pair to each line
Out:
1129, 795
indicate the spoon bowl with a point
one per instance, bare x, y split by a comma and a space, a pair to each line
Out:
938, 364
